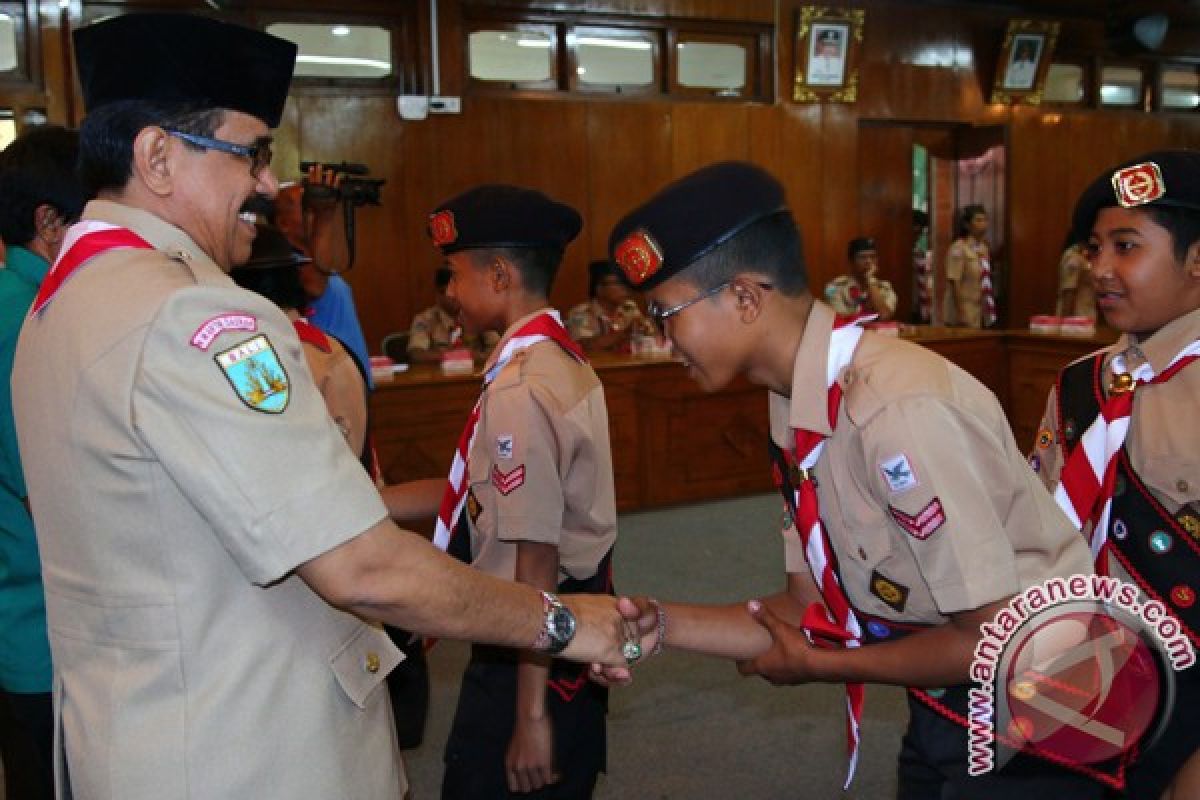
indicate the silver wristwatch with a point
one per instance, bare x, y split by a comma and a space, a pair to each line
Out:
558, 626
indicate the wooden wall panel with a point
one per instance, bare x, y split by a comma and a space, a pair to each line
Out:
702, 133
885, 205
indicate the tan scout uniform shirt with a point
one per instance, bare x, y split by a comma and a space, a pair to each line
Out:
341, 385
588, 320
1073, 273
1164, 432
847, 297
190, 662
433, 327
905, 406
540, 467
964, 265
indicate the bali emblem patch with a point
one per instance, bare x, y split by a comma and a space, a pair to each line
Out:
253, 370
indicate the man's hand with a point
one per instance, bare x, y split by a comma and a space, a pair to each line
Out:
599, 628
529, 762
324, 229
641, 621
790, 659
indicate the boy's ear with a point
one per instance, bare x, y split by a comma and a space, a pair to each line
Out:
749, 296
1192, 260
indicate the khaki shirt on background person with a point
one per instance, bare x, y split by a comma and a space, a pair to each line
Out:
434, 328
846, 297
341, 385
1074, 274
1164, 430
964, 265
543, 422
588, 320
1002, 532
195, 645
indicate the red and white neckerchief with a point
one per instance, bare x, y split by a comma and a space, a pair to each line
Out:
84, 241
1085, 487
547, 325
986, 291
835, 619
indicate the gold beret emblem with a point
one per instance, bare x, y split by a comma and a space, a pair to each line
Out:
638, 256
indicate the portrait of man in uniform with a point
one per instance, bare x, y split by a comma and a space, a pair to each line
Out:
1023, 62
827, 55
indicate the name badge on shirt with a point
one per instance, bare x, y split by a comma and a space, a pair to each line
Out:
253, 370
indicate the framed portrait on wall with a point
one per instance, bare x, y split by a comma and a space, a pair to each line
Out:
827, 47
1024, 61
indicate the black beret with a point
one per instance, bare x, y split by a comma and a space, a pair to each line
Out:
1168, 178
690, 218
858, 245
183, 58
496, 215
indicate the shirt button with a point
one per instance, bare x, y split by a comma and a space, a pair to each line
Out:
1181, 485
371, 664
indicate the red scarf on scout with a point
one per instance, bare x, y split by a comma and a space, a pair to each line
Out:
986, 290
84, 241
546, 325
835, 619
1085, 488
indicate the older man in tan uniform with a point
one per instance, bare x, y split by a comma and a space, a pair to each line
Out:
200, 518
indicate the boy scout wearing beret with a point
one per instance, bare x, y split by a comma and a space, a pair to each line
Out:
539, 505
1140, 224
933, 520
199, 516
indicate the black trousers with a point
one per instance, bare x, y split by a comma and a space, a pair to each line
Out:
1152, 770
933, 764
483, 726
408, 688
27, 745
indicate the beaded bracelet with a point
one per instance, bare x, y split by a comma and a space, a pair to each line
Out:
661, 613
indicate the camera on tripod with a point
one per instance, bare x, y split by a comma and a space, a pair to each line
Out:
354, 189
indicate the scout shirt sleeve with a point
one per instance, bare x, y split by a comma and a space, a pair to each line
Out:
273, 478
418, 335
943, 481
528, 483
345, 396
1046, 455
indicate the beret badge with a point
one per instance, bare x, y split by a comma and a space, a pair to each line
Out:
638, 256
442, 229
1138, 184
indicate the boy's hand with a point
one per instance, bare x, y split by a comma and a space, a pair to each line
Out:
790, 659
529, 763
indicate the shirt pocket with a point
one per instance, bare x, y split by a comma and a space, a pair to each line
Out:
1175, 482
363, 662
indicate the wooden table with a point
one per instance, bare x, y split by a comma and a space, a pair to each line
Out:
673, 443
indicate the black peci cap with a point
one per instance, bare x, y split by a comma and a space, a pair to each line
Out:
184, 58
1168, 178
690, 218
497, 215
858, 245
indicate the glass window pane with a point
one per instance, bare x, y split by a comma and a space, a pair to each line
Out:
8, 43
8, 127
1181, 87
1121, 86
605, 59
511, 56
709, 65
338, 51
1064, 84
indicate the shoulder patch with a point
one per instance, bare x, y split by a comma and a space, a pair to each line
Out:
924, 523
898, 474
504, 446
891, 593
207, 333
256, 375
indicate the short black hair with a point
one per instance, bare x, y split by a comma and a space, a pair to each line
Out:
771, 245
966, 215
442, 278
38, 168
538, 265
107, 134
1182, 223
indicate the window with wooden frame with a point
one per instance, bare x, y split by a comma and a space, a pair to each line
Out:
1122, 85
1066, 83
513, 55
1179, 87
614, 60
714, 65
16, 46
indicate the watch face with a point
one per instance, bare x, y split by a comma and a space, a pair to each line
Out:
562, 624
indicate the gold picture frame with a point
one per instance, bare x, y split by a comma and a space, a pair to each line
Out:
828, 45
1024, 61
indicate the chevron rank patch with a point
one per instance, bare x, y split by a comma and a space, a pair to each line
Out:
508, 482
253, 370
924, 523
898, 473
